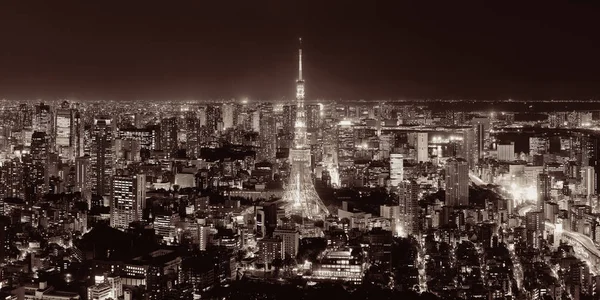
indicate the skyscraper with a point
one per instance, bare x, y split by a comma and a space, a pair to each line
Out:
63, 125
83, 182
457, 182
169, 129
506, 152
42, 120
39, 155
229, 115
313, 117
408, 195
101, 156
396, 169
543, 189
422, 147
129, 195
268, 133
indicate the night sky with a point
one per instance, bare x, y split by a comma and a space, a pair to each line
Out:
364, 50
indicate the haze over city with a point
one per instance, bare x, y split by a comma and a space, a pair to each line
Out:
375, 50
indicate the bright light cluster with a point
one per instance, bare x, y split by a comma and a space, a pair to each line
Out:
523, 194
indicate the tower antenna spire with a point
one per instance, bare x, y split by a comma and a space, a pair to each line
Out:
300, 59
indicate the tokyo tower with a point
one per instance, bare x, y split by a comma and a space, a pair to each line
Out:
300, 196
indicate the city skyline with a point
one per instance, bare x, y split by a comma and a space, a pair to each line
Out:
382, 50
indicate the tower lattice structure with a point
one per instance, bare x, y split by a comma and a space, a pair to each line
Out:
300, 195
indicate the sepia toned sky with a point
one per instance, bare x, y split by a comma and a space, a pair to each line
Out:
353, 49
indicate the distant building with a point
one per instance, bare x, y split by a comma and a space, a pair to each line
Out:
396, 169
506, 152
457, 182
269, 250
337, 266
290, 238
128, 200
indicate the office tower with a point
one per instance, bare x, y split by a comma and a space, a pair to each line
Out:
213, 118
408, 195
128, 199
345, 144
101, 156
543, 189
533, 225
77, 134
25, 116
201, 114
192, 145
267, 134
290, 239
64, 126
229, 115
457, 182
203, 237
396, 169
270, 250
289, 118
255, 121
40, 155
42, 119
506, 152
538, 145
300, 195
168, 129
480, 140
588, 181
422, 147
12, 179
469, 147
313, 117
83, 179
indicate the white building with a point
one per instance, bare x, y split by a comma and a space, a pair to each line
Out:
506, 152
422, 147
396, 169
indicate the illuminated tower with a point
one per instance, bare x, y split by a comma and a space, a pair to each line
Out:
300, 194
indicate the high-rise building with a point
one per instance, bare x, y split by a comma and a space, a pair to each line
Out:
396, 169
538, 145
40, 155
457, 182
64, 127
169, 130
101, 156
289, 119
229, 115
422, 147
533, 223
12, 179
408, 195
290, 239
192, 144
268, 134
345, 144
203, 237
42, 120
128, 199
83, 179
213, 118
506, 152
313, 117
270, 250
588, 181
543, 189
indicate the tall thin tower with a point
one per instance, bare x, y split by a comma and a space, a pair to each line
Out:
300, 195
